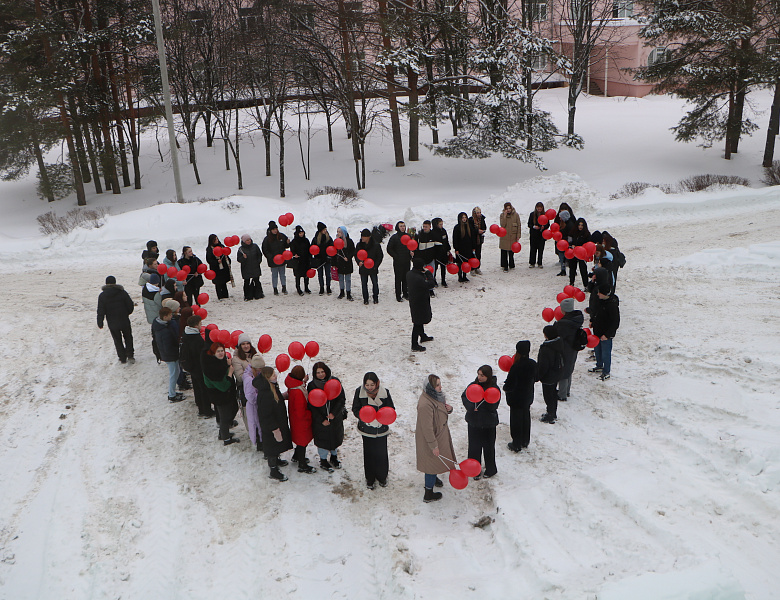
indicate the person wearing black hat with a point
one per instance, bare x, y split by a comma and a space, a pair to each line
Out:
606, 321
301, 261
321, 260
402, 260
519, 389
274, 244
152, 251
373, 252
549, 367
420, 282
116, 306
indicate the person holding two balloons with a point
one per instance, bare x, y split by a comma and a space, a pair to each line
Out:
481, 400
375, 411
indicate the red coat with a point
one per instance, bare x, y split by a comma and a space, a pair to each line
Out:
300, 415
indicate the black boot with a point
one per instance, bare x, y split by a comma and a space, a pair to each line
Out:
329, 291
322, 291
349, 297
298, 288
277, 474
341, 294
284, 289
431, 496
276, 292
261, 294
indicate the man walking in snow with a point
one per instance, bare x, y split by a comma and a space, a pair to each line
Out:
605, 320
420, 282
567, 329
116, 306
549, 367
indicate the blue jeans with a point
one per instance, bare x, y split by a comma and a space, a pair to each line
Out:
430, 481
345, 282
325, 454
278, 273
173, 375
604, 355
323, 274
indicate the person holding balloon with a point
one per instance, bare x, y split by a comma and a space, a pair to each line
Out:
219, 262
441, 250
478, 224
481, 400
246, 380
562, 228
194, 280
321, 260
567, 328
345, 252
221, 388
327, 418
464, 240
537, 224
251, 258
420, 282
373, 406
274, 426
580, 237
300, 417
274, 245
369, 256
300, 248
519, 389
402, 259
433, 442
510, 221
549, 370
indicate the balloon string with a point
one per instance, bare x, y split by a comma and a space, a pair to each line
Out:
441, 458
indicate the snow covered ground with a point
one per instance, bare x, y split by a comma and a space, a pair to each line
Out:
661, 483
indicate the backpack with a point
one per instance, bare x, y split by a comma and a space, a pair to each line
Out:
619, 258
580, 340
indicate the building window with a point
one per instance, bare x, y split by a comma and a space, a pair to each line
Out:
538, 10
198, 21
622, 9
250, 19
302, 18
657, 56
539, 62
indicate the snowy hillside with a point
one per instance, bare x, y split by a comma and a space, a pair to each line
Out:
662, 483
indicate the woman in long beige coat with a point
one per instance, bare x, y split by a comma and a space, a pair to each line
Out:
435, 453
510, 221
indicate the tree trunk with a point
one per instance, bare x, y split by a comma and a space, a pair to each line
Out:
267, 141
281, 160
92, 158
774, 127
237, 158
432, 101
209, 134
395, 122
45, 182
226, 135
78, 139
134, 150
729, 126
414, 117
120, 133
193, 158
330, 132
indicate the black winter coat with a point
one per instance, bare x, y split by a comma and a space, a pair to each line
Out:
273, 245
115, 305
300, 246
464, 245
567, 329
217, 371
272, 415
166, 334
251, 259
420, 284
607, 318
360, 400
483, 414
536, 234
328, 437
402, 256
343, 259
193, 277
549, 362
374, 251
426, 248
519, 384
192, 346
441, 250
322, 242
476, 226
222, 274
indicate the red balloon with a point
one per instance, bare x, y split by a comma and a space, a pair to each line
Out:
171, 271
209, 274
278, 259
331, 250
590, 247
283, 220
458, 479
452, 268
317, 397
287, 255
290, 218
494, 228
543, 220
311, 273
162, 269
282, 363
550, 213
203, 313
368, 263
386, 415
181, 275
555, 227
430, 268
547, 234
474, 263
558, 313
362, 255
228, 355
516, 247
224, 336
201, 268
580, 252
587, 330
505, 363
561, 297
203, 298
296, 350
557, 236
314, 250
226, 251
367, 414
471, 467
492, 395
562, 245
569, 291
217, 251
264, 343
212, 326
234, 337
412, 245
332, 388
501, 232
569, 253
338, 243
475, 393
387, 226
579, 296
186, 269
405, 239
548, 314
593, 341
465, 267
313, 349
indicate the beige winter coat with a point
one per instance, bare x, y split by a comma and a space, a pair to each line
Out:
432, 432
513, 226
240, 365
